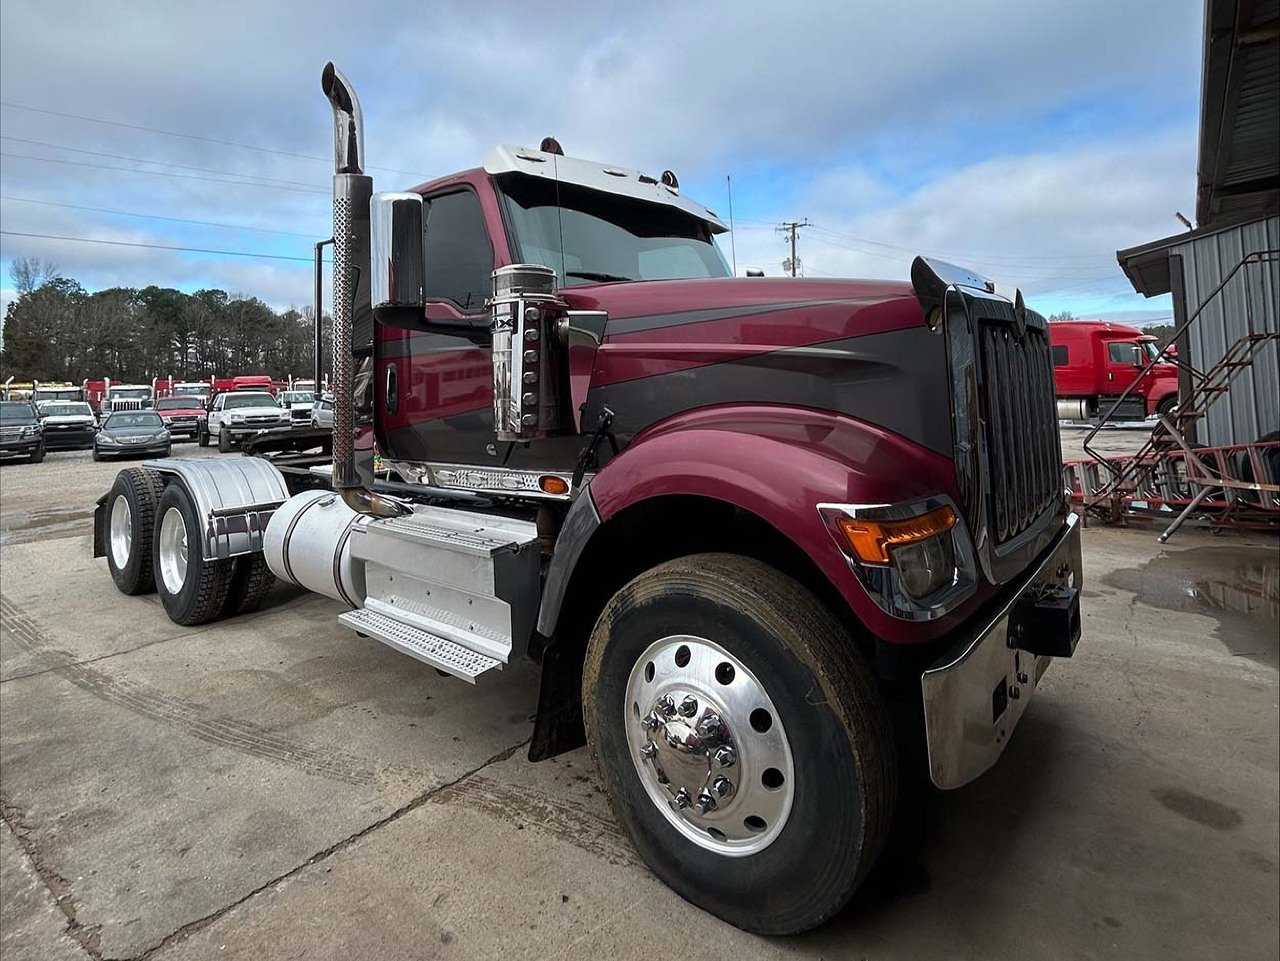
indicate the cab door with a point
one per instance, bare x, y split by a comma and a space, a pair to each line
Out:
1118, 361
434, 379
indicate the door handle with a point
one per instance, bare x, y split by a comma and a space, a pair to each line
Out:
391, 392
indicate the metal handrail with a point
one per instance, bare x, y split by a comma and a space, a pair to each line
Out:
1256, 256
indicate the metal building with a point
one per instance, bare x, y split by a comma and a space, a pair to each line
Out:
1209, 269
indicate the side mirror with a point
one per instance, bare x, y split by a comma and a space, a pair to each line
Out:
1139, 357
397, 255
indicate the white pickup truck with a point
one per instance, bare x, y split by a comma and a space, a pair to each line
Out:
235, 415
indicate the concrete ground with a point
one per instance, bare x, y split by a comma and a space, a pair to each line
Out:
276, 787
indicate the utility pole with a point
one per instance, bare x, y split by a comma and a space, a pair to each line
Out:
791, 227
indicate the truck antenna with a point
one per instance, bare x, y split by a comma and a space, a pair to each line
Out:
555, 170
733, 240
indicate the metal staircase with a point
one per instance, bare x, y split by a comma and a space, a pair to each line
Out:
1168, 472
454, 589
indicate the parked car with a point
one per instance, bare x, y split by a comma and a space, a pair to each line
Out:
235, 415
68, 424
299, 404
183, 416
322, 413
132, 433
21, 433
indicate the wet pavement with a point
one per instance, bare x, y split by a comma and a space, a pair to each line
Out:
274, 787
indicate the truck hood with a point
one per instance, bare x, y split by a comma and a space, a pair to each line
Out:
73, 419
256, 412
759, 294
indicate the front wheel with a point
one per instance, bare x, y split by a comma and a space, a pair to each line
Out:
37, 455
741, 739
1167, 406
224, 441
202, 438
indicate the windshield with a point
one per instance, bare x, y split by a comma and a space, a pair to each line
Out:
192, 390
234, 401
179, 403
135, 418
66, 410
606, 237
131, 393
16, 414
61, 393
1149, 347
297, 397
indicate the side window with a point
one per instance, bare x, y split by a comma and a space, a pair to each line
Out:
1059, 355
459, 255
1120, 351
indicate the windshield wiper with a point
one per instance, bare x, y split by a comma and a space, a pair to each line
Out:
595, 275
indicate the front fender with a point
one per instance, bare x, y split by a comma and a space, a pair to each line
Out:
779, 463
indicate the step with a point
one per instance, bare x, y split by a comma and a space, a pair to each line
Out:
419, 644
460, 531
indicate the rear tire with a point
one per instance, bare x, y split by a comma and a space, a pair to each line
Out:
224, 441
192, 590
250, 584
813, 849
130, 517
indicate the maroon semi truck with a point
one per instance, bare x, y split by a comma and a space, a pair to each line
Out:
764, 537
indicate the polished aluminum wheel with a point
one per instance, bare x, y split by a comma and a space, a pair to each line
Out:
173, 550
709, 745
121, 531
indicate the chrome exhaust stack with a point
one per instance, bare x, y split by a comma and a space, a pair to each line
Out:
352, 190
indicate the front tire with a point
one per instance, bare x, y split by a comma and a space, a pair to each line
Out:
192, 590
130, 517
224, 441
1167, 406
202, 438
752, 662
37, 455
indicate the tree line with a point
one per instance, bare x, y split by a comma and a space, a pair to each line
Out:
55, 330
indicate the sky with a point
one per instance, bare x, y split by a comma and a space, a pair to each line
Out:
1027, 140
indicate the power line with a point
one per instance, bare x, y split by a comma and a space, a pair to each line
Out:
190, 136
159, 173
1019, 260
159, 163
175, 220
126, 243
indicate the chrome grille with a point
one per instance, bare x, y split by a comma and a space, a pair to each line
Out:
1020, 426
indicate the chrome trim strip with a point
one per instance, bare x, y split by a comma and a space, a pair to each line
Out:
474, 479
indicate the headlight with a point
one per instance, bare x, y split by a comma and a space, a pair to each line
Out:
108, 440
237, 418
926, 566
914, 558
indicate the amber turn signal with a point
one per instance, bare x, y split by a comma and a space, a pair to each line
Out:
550, 484
871, 540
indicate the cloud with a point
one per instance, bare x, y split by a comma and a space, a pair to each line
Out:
1036, 132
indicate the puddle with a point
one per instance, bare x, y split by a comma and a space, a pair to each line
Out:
1239, 586
23, 527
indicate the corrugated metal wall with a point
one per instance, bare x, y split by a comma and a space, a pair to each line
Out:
1252, 297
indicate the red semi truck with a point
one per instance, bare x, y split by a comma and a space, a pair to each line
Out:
1095, 361
763, 536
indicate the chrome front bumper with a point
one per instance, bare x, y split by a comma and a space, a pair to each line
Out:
975, 694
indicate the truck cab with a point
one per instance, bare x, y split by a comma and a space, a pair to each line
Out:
1094, 362
758, 534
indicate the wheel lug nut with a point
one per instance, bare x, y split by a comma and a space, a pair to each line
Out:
726, 756
666, 706
688, 707
710, 725
681, 800
649, 749
723, 787
705, 803
652, 721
